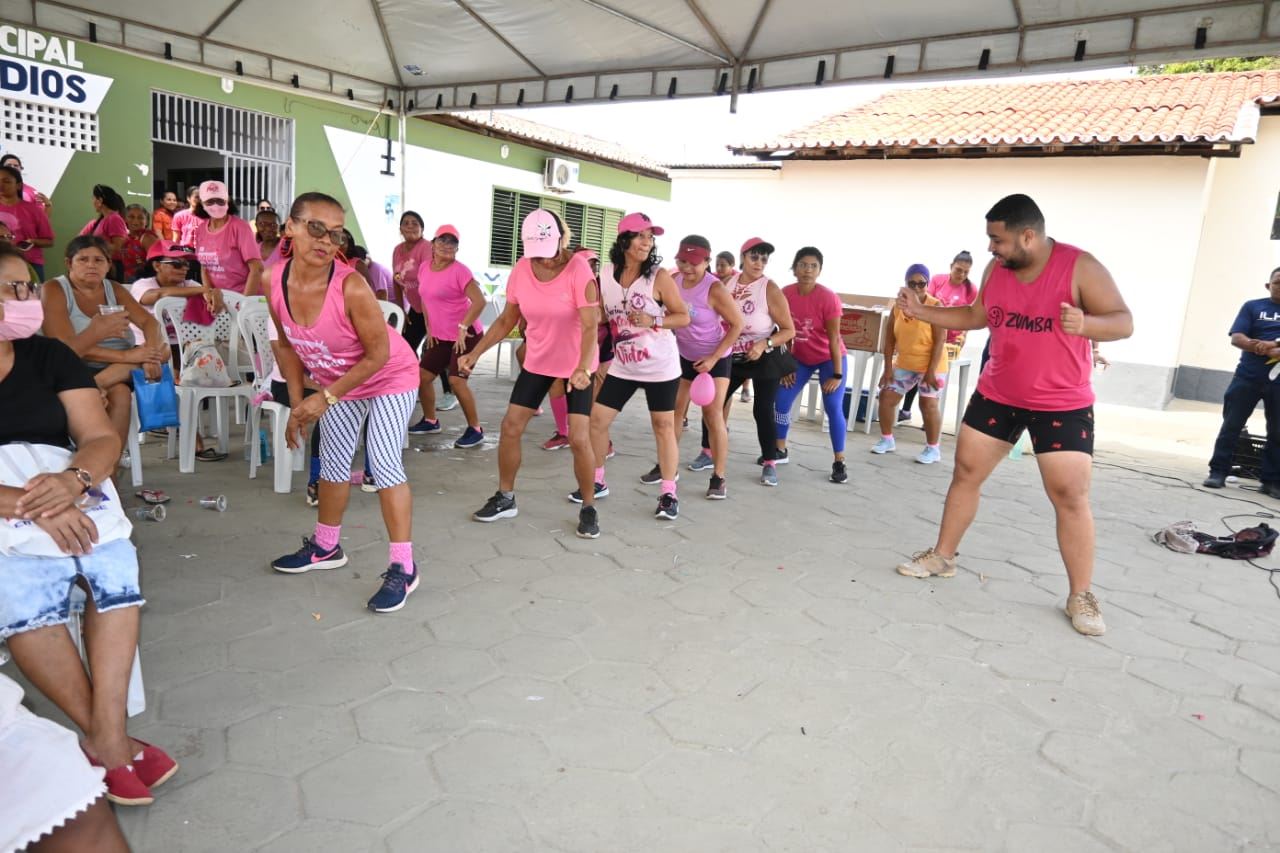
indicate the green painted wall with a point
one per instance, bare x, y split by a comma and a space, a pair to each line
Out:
124, 125
124, 122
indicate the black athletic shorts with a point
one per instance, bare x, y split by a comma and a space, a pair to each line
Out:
661, 396
1050, 431
604, 338
531, 389
415, 329
721, 370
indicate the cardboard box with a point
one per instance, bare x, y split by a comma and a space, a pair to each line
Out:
864, 319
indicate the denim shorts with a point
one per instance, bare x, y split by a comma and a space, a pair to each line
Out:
36, 591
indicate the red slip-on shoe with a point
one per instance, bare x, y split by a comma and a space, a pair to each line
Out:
154, 767
124, 788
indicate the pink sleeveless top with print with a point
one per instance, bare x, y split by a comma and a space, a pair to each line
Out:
641, 355
753, 302
330, 346
1034, 364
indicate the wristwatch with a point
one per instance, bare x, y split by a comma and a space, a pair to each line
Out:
329, 398
84, 478
768, 344
837, 376
657, 322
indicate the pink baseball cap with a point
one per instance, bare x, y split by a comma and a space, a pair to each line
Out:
692, 254
540, 234
9, 221
213, 189
446, 229
638, 222
757, 243
169, 249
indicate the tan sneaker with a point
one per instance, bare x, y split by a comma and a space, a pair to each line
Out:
1086, 616
927, 563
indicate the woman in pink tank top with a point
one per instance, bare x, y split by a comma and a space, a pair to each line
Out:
330, 324
643, 305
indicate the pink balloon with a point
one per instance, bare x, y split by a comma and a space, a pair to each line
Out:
703, 390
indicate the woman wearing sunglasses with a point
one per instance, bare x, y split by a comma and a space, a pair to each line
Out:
168, 265
329, 323
914, 356
225, 245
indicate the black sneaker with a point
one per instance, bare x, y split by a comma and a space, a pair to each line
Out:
588, 523
838, 473
654, 476
497, 507
602, 491
716, 491
783, 457
1215, 481
668, 507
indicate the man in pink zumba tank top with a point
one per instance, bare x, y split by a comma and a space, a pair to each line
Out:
1043, 302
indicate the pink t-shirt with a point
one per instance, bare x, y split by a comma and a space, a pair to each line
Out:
33, 222
330, 346
30, 193
444, 296
406, 260
225, 254
184, 225
380, 279
553, 337
109, 226
145, 285
811, 313
952, 295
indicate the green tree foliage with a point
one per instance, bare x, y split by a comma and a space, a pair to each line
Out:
1206, 66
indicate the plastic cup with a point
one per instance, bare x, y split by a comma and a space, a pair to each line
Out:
110, 309
218, 503
150, 513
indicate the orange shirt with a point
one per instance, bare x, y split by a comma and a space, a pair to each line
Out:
162, 224
913, 342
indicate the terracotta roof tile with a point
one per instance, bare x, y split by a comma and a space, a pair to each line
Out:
1130, 111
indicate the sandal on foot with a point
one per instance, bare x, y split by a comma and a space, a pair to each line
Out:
152, 496
210, 454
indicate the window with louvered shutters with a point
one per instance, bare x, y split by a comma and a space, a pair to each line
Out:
592, 226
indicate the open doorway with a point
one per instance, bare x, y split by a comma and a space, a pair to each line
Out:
194, 141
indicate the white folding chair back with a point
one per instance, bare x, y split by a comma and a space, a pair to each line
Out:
254, 321
393, 314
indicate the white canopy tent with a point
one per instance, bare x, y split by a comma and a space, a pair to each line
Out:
432, 55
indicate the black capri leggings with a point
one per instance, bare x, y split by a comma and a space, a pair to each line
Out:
766, 393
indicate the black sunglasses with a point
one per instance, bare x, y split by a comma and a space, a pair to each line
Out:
917, 284
176, 263
318, 229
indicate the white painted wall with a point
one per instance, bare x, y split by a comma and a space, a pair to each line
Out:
872, 219
1236, 250
448, 188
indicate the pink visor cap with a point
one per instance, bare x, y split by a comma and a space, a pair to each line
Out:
540, 234
638, 222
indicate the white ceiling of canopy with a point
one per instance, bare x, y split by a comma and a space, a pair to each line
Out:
485, 53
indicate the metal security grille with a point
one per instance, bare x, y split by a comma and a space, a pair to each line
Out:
38, 124
589, 223
257, 148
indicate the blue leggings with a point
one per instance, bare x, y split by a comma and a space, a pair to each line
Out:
832, 403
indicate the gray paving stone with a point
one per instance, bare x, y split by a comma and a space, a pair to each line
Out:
276, 651
214, 700
402, 778
463, 628
1053, 839
1020, 663
195, 816
449, 668
324, 836
623, 686
518, 700
602, 739
327, 682
462, 826
403, 717
585, 811
713, 786
1180, 678
1263, 654
287, 741
555, 618
1262, 767
495, 765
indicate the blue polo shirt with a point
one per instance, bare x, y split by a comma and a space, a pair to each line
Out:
1258, 319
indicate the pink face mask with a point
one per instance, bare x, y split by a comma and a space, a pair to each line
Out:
21, 319
217, 211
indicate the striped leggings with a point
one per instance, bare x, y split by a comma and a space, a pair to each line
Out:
341, 425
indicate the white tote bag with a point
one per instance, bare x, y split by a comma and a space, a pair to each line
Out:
19, 462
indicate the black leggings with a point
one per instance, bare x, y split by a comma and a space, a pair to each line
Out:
910, 398
766, 393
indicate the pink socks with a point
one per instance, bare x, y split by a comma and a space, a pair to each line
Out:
599, 475
327, 536
668, 487
402, 553
560, 410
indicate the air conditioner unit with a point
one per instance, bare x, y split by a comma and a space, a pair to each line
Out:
560, 176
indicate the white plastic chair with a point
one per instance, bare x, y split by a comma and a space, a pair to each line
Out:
253, 321
237, 346
492, 311
169, 310
393, 314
